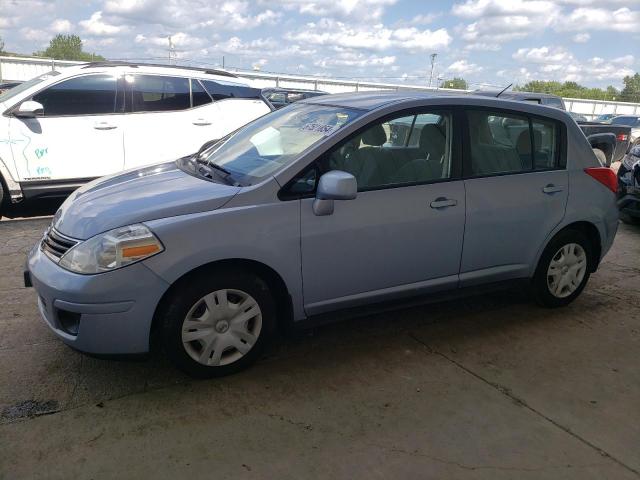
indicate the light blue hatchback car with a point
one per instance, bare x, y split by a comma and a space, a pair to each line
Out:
337, 203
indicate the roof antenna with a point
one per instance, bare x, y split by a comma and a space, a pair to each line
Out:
504, 90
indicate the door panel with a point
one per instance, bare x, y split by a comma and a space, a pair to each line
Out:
70, 147
383, 239
508, 219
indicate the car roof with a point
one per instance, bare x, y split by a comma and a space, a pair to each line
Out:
151, 68
376, 99
512, 94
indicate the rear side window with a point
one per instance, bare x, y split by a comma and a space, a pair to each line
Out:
509, 143
220, 90
151, 93
89, 95
555, 102
199, 95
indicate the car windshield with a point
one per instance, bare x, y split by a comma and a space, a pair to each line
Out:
274, 140
12, 92
630, 121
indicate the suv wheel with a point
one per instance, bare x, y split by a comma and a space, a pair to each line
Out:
217, 324
563, 270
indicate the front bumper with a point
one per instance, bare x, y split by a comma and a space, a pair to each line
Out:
108, 313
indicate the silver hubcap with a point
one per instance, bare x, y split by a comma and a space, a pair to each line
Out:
566, 270
221, 327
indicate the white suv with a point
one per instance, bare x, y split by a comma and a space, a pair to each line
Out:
61, 129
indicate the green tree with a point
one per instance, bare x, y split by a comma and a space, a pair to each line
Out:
631, 90
456, 82
68, 47
569, 89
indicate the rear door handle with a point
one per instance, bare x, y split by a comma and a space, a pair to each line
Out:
552, 188
201, 122
104, 126
442, 202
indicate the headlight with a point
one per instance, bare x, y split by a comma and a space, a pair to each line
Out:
113, 249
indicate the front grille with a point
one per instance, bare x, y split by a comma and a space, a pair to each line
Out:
55, 245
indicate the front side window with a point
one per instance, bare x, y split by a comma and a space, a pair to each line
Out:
275, 140
88, 95
406, 150
155, 93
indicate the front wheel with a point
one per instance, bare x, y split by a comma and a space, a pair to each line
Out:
563, 269
217, 323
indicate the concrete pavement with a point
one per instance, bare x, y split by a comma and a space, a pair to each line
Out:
487, 387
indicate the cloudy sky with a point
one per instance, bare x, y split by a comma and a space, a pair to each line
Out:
497, 42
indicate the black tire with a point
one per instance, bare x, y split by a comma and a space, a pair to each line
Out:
539, 283
187, 293
2, 199
628, 219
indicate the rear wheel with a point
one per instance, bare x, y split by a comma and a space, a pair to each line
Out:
217, 323
563, 269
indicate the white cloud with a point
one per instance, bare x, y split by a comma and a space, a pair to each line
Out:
621, 20
462, 67
358, 10
189, 14
556, 63
351, 59
581, 37
376, 37
61, 25
97, 26
543, 55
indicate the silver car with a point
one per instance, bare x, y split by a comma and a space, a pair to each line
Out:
331, 204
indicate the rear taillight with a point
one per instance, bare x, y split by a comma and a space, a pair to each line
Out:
605, 176
621, 137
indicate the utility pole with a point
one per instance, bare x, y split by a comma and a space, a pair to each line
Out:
433, 62
171, 50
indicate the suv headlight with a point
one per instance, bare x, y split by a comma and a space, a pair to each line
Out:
113, 249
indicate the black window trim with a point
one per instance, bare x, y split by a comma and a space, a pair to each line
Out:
11, 111
560, 162
454, 111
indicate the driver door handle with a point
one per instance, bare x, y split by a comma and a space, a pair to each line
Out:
201, 122
104, 126
442, 202
551, 188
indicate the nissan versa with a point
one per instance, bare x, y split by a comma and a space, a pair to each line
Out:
332, 203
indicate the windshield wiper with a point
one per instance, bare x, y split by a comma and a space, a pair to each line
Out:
211, 170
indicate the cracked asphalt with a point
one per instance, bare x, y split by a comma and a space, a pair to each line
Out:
486, 387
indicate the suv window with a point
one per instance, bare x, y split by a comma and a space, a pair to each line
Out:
88, 95
510, 143
220, 90
199, 95
406, 150
155, 93
630, 121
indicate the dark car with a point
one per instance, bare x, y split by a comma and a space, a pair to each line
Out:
629, 187
281, 97
632, 121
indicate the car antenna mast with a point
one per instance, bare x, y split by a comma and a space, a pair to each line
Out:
504, 90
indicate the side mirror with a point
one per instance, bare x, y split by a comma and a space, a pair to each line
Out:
29, 109
334, 185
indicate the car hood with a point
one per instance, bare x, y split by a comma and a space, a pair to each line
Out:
149, 193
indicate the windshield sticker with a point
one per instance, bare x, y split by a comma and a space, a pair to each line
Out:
318, 128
